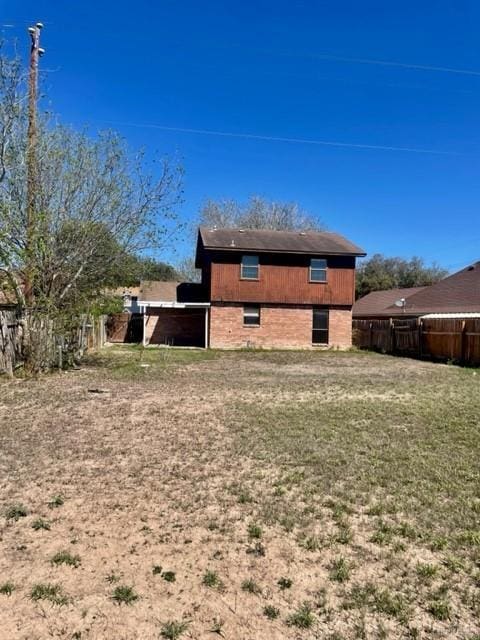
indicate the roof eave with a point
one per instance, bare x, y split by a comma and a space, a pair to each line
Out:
357, 254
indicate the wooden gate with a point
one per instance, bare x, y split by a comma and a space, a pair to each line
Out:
125, 327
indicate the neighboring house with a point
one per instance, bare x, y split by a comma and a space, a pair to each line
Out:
457, 296
259, 288
129, 297
378, 304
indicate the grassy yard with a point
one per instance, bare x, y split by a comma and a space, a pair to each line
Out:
245, 495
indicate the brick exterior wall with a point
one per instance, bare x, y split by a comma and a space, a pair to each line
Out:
177, 327
280, 326
340, 328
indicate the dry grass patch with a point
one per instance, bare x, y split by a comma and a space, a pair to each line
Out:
276, 495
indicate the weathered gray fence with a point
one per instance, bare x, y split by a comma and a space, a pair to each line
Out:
454, 339
53, 348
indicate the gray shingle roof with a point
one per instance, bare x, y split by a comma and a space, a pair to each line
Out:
378, 303
312, 242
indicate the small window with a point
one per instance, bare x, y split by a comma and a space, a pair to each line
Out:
318, 270
249, 270
251, 315
320, 326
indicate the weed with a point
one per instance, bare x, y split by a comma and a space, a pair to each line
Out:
284, 583
271, 612
211, 579
40, 524
440, 609
7, 588
340, 570
169, 576
311, 543
250, 586
217, 626
244, 497
15, 512
453, 564
391, 604
124, 594
111, 578
51, 592
258, 550
156, 569
426, 571
383, 534
254, 531
172, 630
344, 535
303, 617
438, 543
56, 501
64, 557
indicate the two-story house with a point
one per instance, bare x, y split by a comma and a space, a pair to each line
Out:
260, 288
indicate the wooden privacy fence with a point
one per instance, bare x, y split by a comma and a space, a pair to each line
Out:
124, 327
455, 339
54, 349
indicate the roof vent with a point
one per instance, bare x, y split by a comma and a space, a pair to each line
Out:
302, 233
232, 243
241, 231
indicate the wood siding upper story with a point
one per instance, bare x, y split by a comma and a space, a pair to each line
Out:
283, 279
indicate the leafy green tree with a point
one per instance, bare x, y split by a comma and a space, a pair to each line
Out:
95, 203
379, 273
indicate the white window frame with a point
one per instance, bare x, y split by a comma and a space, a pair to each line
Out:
253, 312
249, 266
313, 269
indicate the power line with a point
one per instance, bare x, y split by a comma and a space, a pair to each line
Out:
254, 136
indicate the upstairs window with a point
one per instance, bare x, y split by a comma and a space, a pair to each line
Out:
318, 270
249, 268
251, 315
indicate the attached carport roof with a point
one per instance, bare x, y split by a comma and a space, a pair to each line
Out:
172, 295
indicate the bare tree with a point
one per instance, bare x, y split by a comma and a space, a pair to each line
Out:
258, 213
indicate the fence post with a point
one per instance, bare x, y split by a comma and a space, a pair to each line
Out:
392, 336
420, 337
370, 335
463, 343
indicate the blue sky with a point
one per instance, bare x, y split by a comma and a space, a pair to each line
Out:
306, 71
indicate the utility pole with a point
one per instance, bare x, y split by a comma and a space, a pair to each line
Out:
31, 163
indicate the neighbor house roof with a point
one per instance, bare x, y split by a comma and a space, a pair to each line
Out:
266, 240
378, 303
170, 291
125, 291
458, 293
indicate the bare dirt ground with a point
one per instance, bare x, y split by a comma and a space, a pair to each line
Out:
241, 495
